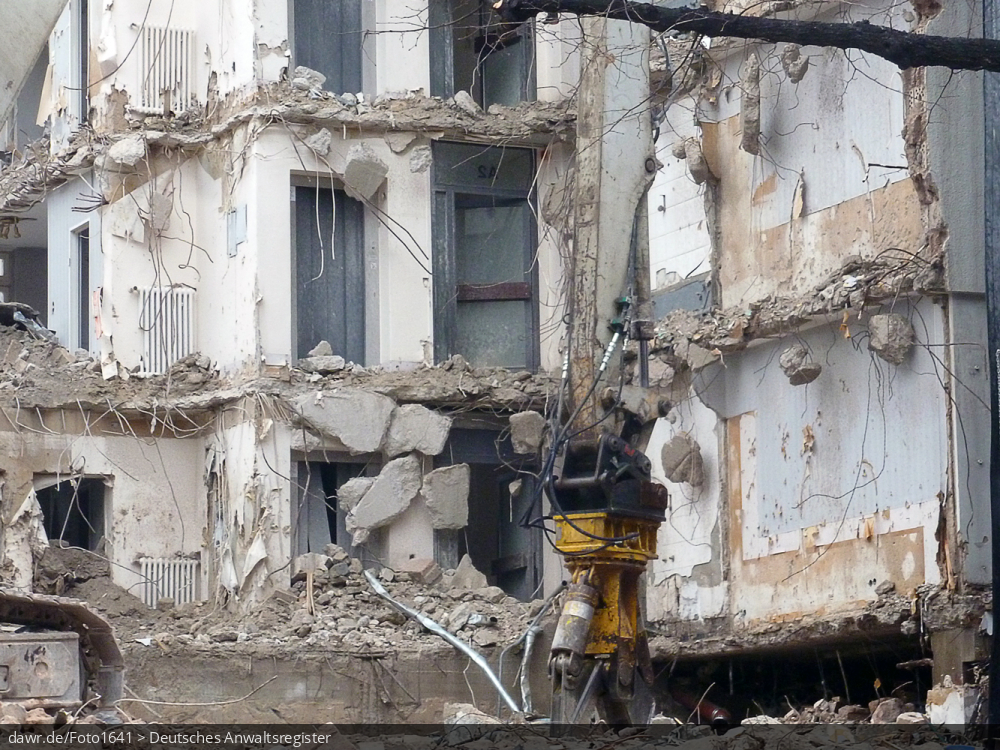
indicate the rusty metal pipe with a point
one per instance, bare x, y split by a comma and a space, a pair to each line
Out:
714, 715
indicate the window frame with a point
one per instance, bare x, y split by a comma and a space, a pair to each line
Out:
442, 51
81, 309
368, 275
446, 290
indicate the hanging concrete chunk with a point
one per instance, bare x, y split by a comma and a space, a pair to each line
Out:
750, 106
796, 363
364, 172
890, 336
696, 162
526, 431
128, 151
351, 492
320, 142
417, 428
682, 462
387, 499
794, 63
359, 419
446, 494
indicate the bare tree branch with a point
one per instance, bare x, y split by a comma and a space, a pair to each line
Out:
905, 49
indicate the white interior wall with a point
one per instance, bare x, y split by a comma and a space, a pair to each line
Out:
846, 465
557, 55
404, 289
402, 46
63, 287
223, 43
156, 509
679, 241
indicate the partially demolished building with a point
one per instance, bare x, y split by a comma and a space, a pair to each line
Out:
307, 266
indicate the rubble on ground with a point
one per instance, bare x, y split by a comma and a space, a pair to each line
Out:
348, 616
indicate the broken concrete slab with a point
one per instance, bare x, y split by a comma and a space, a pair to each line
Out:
323, 365
467, 576
682, 462
399, 142
307, 79
446, 495
389, 496
464, 101
417, 428
486, 637
697, 164
335, 552
322, 349
310, 562
421, 569
350, 492
526, 431
887, 711
358, 418
798, 365
364, 171
890, 336
129, 151
320, 142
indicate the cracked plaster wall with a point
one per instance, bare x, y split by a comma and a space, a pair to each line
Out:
827, 490
155, 510
679, 238
813, 196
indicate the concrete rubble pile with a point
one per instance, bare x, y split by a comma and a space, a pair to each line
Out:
836, 711
340, 613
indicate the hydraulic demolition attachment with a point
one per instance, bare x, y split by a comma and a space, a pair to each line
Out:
607, 512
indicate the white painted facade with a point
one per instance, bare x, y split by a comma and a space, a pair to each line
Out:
814, 495
817, 494
166, 218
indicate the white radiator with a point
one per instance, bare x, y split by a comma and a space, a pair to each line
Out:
166, 70
166, 317
168, 578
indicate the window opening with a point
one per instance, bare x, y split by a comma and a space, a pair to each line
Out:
329, 272
73, 511
327, 37
83, 288
321, 518
473, 51
510, 556
484, 243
